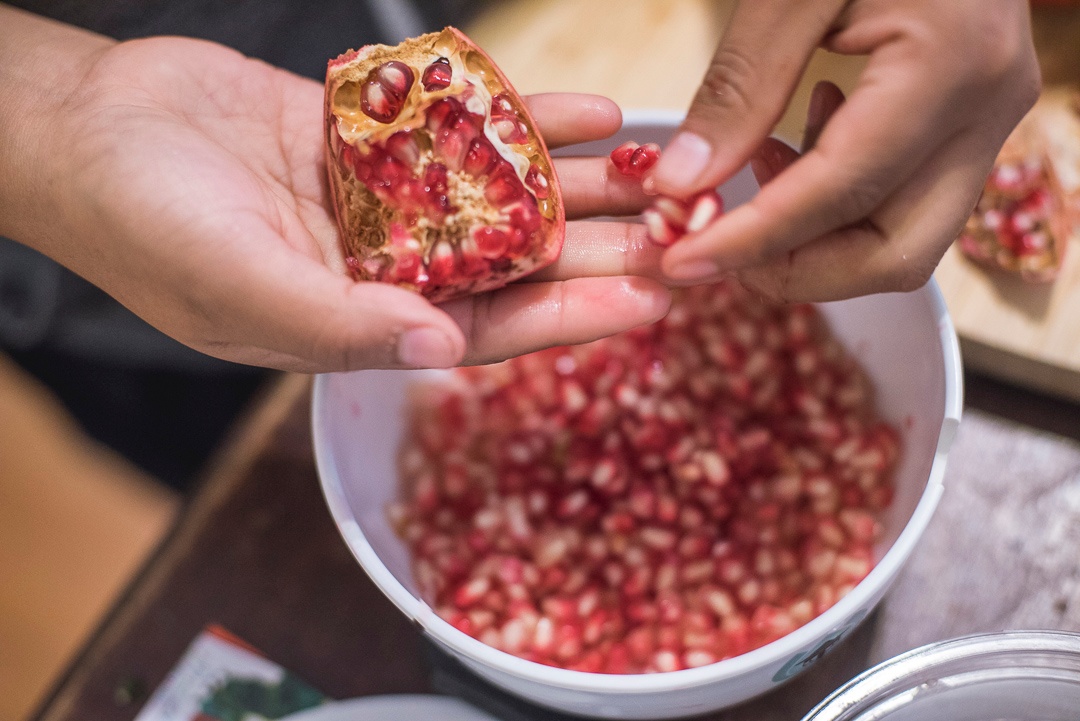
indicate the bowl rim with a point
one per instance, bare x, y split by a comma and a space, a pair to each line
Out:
909, 665
832, 620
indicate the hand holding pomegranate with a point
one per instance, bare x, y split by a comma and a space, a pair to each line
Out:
188, 181
872, 204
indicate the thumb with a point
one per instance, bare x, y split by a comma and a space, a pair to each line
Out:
760, 59
297, 315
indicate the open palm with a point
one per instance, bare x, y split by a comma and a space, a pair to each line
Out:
193, 190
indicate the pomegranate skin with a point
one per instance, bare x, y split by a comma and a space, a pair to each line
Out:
396, 224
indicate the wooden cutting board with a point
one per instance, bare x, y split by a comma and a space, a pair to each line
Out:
1023, 333
652, 54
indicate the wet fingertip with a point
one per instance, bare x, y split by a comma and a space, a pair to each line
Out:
653, 298
604, 112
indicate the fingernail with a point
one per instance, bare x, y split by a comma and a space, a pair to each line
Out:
426, 348
683, 160
694, 270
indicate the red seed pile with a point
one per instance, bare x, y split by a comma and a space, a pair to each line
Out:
663, 499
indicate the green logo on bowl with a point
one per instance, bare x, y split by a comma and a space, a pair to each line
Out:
805, 659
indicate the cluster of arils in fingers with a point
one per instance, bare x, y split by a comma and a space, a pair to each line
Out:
442, 183
669, 219
663, 499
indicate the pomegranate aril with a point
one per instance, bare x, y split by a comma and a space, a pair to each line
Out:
696, 659
633, 160
377, 103
491, 242
451, 144
502, 106
481, 158
665, 661
441, 113
537, 182
383, 94
730, 537
403, 146
620, 156
673, 211
471, 592
504, 188
396, 77
643, 159
510, 130
437, 75
524, 216
668, 219
472, 263
658, 229
436, 178
442, 264
707, 207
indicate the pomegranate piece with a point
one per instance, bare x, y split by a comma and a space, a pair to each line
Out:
443, 186
663, 499
633, 160
1030, 205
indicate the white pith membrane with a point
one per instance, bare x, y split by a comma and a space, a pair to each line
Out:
377, 233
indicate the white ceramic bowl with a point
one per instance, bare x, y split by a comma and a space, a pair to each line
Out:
907, 344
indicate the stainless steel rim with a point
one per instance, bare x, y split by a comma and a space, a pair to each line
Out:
910, 669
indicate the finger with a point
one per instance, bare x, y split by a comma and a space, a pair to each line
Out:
868, 148
899, 249
772, 158
760, 59
570, 118
595, 249
289, 312
592, 187
825, 99
528, 317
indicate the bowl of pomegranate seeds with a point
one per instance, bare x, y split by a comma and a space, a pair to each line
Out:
659, 524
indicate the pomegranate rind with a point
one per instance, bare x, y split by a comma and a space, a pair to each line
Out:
364, 221
1046, 146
